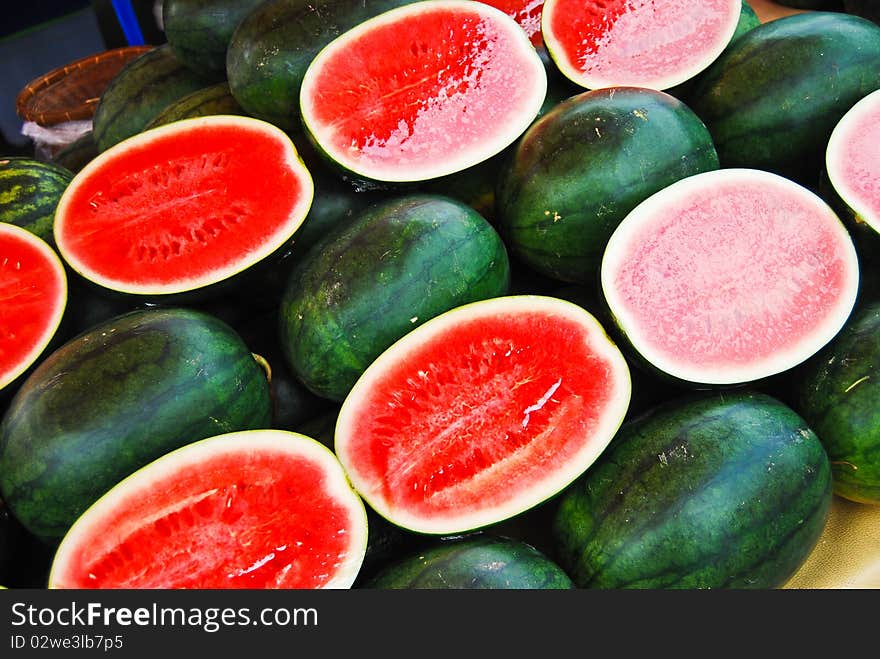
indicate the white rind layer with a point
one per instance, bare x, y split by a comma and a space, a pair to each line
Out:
269, 246
628, 232
192, 456
457, 160
466, 520
867, 107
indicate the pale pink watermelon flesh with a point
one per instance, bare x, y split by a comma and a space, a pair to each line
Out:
853, 159
242, 518
730, 276
33, 294
461, 85
525, 12
483, 417
643, 43
183, 206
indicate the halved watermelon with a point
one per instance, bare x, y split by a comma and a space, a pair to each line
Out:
422, 91
482, 413
639, 43
251, 509
33, 296
183, 206
730, 276
852, 160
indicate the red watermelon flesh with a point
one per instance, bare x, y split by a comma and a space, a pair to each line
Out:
525, 12
33, 295
642, 43
853, 159
730, 276
255, 509
482, 412
183, 206
424, 90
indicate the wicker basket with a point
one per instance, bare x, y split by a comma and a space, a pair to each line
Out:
71, 92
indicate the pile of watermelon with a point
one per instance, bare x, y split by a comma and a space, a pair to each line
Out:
453, 294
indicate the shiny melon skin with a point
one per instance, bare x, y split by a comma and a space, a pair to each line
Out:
721, 490
29, 192
758, 99
138, 92
199, 31
481, 561
838, 393
116, 397
578, 170
378, 275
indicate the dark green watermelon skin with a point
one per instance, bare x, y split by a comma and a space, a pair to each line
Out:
199, 31
272, 47
77, 154
748, 19
473, 563
142, 89
722, 491
29, 192
578, 171
210, 100
772, 99
839, 396
117, 397
395, 266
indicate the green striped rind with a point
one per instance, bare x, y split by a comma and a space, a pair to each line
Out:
77, 154
117, 397
839, 396
723, 491
395, 266
142, 89
772, 99
214, 99
274, 44
474, 562
583, 166
199, 31
29, 192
